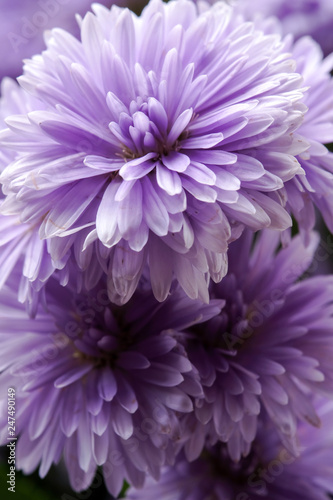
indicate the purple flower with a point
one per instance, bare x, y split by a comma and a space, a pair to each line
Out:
22, 24
300, 17
20, 244
154, 148
101, 384
315, 188
268, 472
268, 350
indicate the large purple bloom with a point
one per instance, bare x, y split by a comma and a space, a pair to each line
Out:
150, 146
269, 472
269, 349
101, 384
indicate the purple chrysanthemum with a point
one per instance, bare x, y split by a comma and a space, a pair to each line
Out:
315, 188
20, 244
151, 146
304, 192
269, 472
269, 349
300, 17
101, 384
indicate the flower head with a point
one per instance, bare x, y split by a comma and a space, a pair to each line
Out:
20, 244
313, 187
268, 350
154, 148
301, 17
268, 472
100, 384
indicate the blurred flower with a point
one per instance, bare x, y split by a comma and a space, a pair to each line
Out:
269, 349
268, 472
102, 384
22, 24
300, 17
154, 147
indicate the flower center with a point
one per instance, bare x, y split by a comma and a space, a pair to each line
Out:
145, 128
238, 473
98, 333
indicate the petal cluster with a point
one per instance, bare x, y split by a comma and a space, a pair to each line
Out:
270, 472
312, 188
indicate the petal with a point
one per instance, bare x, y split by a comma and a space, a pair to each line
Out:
126, 395
160, 267
106, 218
131, 360
69, 208
107, 384
130, 212
162, 375
200, 173
105, 165
72, 375
138, 168
100, 448
155, 213
168, 180
202, 142
179, 126
176, 161
122, 422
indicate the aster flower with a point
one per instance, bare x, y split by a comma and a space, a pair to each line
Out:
269, 349
301, 17
150, 155
20, 244
100, 384
314, 189
269, 472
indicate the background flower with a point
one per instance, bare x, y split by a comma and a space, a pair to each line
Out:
270, 471
22, 24
268, 350
100, 384
301, 17
20, 244
316, 187
305, 192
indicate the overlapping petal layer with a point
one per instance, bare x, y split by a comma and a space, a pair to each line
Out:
270, 472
